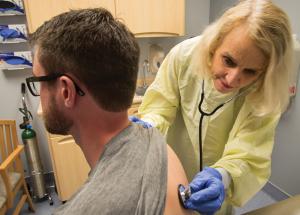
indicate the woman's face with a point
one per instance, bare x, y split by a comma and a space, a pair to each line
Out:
237, 62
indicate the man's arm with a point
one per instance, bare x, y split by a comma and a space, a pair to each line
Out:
176, 176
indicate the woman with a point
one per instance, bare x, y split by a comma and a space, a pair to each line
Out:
243, 57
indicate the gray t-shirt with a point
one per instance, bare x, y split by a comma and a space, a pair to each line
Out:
129, 178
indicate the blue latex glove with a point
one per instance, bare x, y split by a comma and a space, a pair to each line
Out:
11, 59
8, 33
10, 6
207, 190
139, 121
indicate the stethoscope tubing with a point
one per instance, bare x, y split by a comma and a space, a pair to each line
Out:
203, 113
184, 193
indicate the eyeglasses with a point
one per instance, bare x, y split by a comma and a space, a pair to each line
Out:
33, 83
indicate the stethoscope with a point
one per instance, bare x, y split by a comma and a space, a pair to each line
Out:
203, 114
184, 193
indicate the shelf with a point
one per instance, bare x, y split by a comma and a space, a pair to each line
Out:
12, 69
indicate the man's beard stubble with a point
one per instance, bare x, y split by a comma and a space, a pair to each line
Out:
55, 121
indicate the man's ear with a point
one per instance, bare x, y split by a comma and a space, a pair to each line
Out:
67, 91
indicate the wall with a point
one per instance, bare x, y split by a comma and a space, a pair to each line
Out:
285, 168
197, 17
217, 7
285, 158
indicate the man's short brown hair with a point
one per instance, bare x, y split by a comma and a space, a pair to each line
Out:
94, 47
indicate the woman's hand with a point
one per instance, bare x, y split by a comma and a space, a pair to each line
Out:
139, 121
208, 192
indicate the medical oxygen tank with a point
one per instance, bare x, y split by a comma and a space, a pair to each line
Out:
34, 162
32, 153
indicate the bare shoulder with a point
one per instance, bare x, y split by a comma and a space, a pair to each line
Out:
176, 176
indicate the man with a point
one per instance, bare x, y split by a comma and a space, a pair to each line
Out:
85, 66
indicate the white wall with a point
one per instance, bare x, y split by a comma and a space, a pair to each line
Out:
285, 158
285, 168
217, 8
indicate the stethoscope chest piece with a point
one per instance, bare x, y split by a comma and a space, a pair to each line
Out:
184, 193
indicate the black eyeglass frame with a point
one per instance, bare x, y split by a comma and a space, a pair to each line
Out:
51, 77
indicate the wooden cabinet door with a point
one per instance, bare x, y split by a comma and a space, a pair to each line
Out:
149, 18
78, 4
39, 11
69, 164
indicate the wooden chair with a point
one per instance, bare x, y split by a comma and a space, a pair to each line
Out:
2, 205
11, 169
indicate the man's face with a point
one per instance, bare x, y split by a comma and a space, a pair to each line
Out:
56, 122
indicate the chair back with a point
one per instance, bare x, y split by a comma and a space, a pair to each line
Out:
8, 140
11, 168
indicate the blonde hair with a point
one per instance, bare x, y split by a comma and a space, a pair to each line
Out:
269, 28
